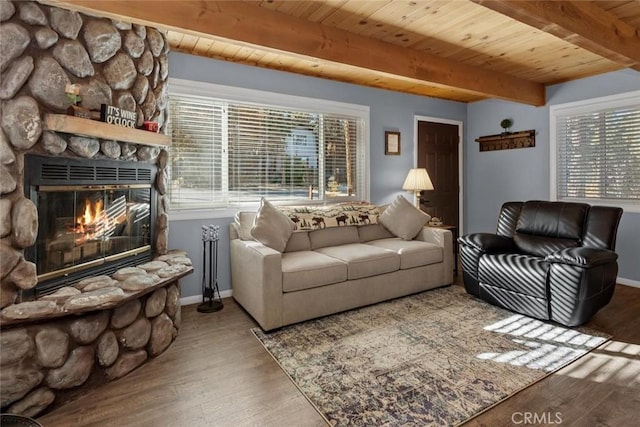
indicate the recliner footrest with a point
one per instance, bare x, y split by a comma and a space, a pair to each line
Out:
515, 301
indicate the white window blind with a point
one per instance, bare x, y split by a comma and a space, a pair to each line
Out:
226, 153
598, 150
196, 151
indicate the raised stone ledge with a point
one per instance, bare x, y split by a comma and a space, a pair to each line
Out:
57, 354
87, 295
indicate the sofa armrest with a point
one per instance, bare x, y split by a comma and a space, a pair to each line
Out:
443, 238
256, 281
582, 257
489, 243
434, 235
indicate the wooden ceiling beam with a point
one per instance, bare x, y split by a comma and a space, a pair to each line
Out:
582, 23
255, 25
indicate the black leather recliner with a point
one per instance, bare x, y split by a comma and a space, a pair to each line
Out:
548, 260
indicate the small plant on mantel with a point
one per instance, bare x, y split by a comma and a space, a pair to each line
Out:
73, 93
506, 125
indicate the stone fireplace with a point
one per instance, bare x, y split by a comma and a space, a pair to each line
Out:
89, 290
95, 216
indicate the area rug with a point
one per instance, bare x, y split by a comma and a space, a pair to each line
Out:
435, 358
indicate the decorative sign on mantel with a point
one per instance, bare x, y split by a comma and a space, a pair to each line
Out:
118, 116
508, 140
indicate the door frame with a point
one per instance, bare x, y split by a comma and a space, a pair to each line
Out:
460, 125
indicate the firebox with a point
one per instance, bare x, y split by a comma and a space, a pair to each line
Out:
95, 216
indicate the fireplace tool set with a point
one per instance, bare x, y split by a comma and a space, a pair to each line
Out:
210, 237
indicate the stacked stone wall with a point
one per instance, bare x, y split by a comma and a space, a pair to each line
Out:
43, 49
61, 346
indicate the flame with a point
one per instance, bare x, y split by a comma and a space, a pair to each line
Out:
91, 212
96, 223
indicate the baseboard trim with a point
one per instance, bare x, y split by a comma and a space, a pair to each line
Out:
628, 282
197, 299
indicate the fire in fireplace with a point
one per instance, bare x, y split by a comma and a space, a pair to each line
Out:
111, 220
95, 216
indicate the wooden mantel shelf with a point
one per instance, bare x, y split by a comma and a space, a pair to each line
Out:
508, 140
95, 129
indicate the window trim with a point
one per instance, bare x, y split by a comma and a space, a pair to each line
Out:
581, 107
259, 97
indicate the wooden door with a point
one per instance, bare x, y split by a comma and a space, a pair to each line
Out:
438, 145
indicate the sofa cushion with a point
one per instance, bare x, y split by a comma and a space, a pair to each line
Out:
271, 227
333, 236
299, 241
364, 260
546, 227
541, 246
403, 219
412, 253
519, 273
553, 219
371, 232
308, 269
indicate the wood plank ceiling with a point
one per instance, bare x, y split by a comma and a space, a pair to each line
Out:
459, 50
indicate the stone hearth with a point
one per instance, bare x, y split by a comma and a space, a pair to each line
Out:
100, 328
58, 347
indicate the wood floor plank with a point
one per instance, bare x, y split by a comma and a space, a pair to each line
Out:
217, 374
613, 411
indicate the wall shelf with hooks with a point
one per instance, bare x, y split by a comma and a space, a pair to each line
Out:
508, 140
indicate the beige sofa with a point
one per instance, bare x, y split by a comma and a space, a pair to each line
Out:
333, 269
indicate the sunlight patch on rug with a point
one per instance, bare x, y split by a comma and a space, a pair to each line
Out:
436, 358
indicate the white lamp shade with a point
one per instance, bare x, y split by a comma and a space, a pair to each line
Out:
417, 180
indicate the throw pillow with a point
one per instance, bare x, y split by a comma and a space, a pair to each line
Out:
403, 219
271, 227
244, 223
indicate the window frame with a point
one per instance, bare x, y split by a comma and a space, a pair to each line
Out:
584, 107
259, 97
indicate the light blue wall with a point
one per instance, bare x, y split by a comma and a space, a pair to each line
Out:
492, 178
388, 111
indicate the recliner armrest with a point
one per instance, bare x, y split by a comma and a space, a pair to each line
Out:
488, 242
582, 256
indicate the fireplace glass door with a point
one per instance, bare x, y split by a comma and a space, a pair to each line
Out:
83, 226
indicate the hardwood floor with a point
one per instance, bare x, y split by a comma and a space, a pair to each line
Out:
217, 374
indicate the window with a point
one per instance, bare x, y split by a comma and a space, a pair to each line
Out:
595, 151
232, 146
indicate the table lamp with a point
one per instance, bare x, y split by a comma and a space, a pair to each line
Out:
416, 181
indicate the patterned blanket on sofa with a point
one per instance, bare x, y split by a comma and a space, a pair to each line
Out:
338, 215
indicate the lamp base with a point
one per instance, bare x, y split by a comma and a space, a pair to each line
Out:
416, 199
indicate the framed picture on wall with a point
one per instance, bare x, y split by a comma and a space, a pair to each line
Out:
392, 143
